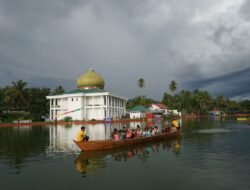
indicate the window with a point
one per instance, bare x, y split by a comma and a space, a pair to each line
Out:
72, 99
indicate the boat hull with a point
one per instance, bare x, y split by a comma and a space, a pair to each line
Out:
110, 144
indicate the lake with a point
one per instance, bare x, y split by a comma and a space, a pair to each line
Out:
210, 154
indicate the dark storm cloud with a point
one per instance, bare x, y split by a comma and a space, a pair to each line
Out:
233, 84
51, 42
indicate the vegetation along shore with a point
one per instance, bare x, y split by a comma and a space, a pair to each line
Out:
20, 102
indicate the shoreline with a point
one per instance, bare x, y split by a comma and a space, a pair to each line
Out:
188, 116
68, 122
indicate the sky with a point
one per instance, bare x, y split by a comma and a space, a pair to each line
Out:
201, 44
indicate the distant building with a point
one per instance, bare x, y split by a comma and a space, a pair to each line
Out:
138, 112
215, 112
159, 108
89, 101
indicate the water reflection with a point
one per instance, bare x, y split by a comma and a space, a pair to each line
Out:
19, 145
89, 162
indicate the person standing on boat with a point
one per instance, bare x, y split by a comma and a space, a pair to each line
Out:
81, 135
175, 127
175, 124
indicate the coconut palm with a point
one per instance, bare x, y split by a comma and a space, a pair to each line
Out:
58, 90
173, 86
203, 101
141, 84
15, 96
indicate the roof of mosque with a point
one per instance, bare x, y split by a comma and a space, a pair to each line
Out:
90, 79
90, 90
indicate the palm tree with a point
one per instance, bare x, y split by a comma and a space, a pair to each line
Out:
220, 102
141, 84
15, 96
185, 98
173, 86
58, 90
203, 101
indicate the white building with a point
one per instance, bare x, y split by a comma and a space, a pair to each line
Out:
159, 108
138, 112
89, 101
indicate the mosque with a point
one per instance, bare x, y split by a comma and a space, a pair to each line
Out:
89, 101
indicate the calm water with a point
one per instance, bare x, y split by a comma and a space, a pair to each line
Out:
211, 154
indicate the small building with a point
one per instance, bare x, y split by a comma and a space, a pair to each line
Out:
89, 101
138, 112
174, 112
159, 108
215, 112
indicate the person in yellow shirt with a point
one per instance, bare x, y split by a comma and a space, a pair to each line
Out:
175, 124
81, 135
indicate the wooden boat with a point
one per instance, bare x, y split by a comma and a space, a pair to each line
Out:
110, 144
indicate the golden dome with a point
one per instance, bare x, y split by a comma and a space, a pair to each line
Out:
90, 79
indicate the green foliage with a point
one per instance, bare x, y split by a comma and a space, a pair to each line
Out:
18, 98
199, 101
15, 96
38, 104
245, 106
67, 119
143, 101
141, 83
172, 86
58, 90
20, 102
10, 116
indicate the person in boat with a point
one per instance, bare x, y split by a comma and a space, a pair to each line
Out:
114, 132
148, 133
168, 129
128, 134
175, 124
116, 136
152, 131
122, 133
138, 131
144, 132
157, 131
81, 135
132, 134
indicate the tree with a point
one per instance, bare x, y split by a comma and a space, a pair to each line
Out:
173, 86
1, 99
141, 84
58, 90
185, 98
202, 100
15, 96
167, 100
220, 102
137, 101
38, 104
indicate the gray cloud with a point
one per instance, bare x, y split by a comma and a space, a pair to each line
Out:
52, 42
233, 84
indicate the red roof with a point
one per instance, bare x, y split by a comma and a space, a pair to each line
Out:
161, 106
